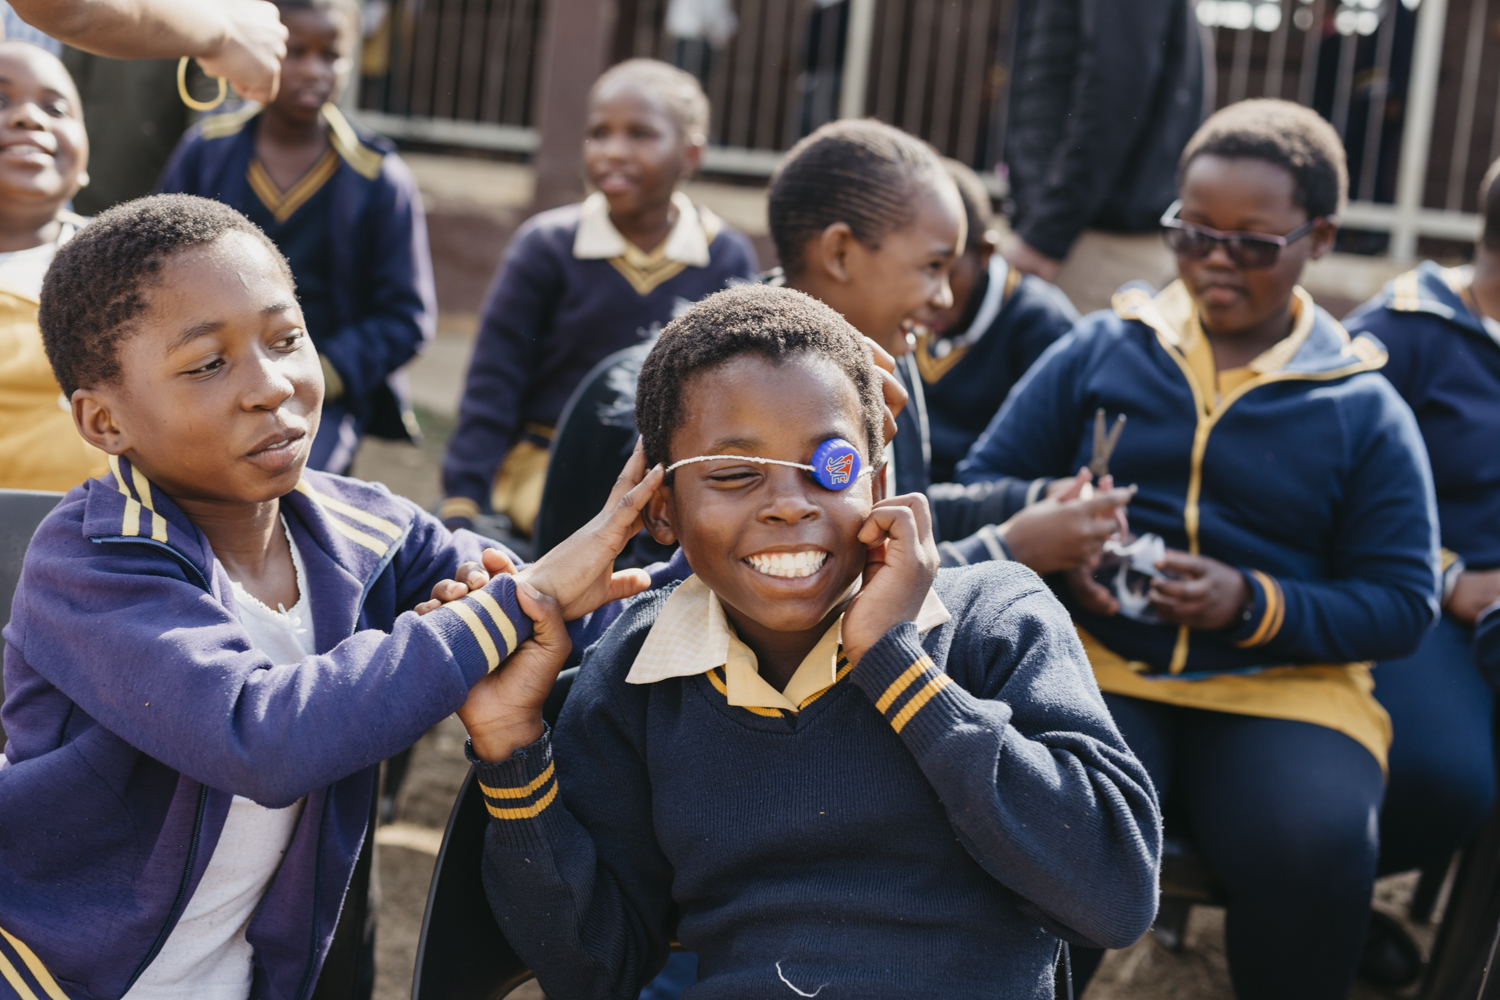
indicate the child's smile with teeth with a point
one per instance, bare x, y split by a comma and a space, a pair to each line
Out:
787, 564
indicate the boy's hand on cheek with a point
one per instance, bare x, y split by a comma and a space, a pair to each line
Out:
579, 572
468, 577
503, 712
902, 562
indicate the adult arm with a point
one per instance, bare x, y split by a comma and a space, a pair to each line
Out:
516, 316
1037, 782
397, 304
241, 40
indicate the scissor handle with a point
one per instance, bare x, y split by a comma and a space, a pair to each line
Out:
189, 99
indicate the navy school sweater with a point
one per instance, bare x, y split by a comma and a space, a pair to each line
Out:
136, 707
1446, 365
925, 828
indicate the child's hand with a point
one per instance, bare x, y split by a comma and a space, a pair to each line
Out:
1094, 596
902, 562
578, 572
504, 710
1203, 593
1063, 533
891, 388
469, 576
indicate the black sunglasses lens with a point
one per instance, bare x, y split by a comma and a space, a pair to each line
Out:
1253, 253
1186, 243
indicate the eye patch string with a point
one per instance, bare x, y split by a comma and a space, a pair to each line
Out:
835, 464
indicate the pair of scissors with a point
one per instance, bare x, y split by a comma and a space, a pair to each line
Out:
1104, 443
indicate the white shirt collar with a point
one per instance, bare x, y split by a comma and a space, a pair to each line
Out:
598, 239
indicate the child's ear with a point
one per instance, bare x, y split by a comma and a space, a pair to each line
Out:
1322, 238
831, 251
94, 417
658, 516
692, 157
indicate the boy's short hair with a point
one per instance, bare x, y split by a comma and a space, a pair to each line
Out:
857, 171
775, 323
678, 89
1489, 206
1289, 135
976, 199
346, 9
98, 283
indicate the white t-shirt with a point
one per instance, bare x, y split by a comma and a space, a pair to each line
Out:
206, 957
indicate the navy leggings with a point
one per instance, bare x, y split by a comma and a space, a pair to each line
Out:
1285, 813
1442, 783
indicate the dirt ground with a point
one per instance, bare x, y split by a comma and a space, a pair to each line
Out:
474, 205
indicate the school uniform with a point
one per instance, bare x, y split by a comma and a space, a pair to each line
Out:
1305, 470
353, 230
967, 373
570, 292
143, 703
926, 823
40, 448
1445, 362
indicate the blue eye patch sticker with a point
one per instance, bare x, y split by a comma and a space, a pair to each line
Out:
835, 463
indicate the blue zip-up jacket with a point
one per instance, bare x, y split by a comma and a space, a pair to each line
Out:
1311, 478
384, 304
136, 708
1446, 365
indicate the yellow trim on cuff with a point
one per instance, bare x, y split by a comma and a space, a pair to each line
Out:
523, 791
502, 620
525, 812
38, 970
922, 697
458, 507
901, 683
470, 617
1270, 620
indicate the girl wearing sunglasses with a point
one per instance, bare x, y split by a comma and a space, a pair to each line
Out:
1290, 486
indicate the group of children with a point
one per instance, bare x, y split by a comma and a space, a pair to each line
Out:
868, 732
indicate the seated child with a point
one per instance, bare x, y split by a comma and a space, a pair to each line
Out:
816, 761
866, 218
584, 281
971, 353
344, 211
207, 655
43, 163
1442, 329
1288, 484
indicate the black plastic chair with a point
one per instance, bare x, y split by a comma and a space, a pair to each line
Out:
20, 513
593, 440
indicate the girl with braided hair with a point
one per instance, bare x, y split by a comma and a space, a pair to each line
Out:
866, 218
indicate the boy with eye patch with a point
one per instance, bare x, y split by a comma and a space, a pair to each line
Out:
813, 758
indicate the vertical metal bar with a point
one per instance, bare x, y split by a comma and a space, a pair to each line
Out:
889, 85
736, 115
1343, 83
1369, 163
1458, 166
1416, 135
1312, 40
920, 47
1239, 71
861, 35
945, 76
976, 79
1276, 54
1495, 131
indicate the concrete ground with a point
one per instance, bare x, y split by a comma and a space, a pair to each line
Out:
473, 207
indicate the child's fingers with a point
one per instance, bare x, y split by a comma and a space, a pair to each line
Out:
921, 512
497, 563
884, 360
1106, 502
627, 583
895, 523
632, 491
427, 606
471, 574
1073, 486
1192, 589
448, 590
1183, 563
548, 629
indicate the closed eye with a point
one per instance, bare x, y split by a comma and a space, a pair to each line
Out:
209, 368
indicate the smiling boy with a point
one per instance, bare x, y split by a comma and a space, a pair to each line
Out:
344, 210
817, 761
207, 654
581, 282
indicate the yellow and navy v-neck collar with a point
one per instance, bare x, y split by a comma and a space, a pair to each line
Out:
687, 245
344, 147
283, 204
692, 636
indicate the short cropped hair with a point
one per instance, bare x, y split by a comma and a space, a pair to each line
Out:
976, 199
348, 10
1489, 206
100, 280
1293, 137
678, 89
775, 323
860, 172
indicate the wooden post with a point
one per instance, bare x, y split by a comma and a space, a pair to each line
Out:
575, 50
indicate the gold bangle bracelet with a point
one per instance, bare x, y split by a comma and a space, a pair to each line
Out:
188, 99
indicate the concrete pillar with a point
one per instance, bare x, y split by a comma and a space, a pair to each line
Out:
576, 45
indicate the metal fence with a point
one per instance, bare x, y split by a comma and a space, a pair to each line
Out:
1413, 86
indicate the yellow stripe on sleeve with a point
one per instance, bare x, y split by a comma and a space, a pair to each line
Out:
143, 490
502, 620
471, 618
1270, 621
901, 683
525, 812
524, 790
922, 697
38, 970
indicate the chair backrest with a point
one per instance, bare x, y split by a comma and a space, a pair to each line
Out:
20, 513
461, 954
593, 440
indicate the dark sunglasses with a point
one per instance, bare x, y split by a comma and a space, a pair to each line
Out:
1251, 250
